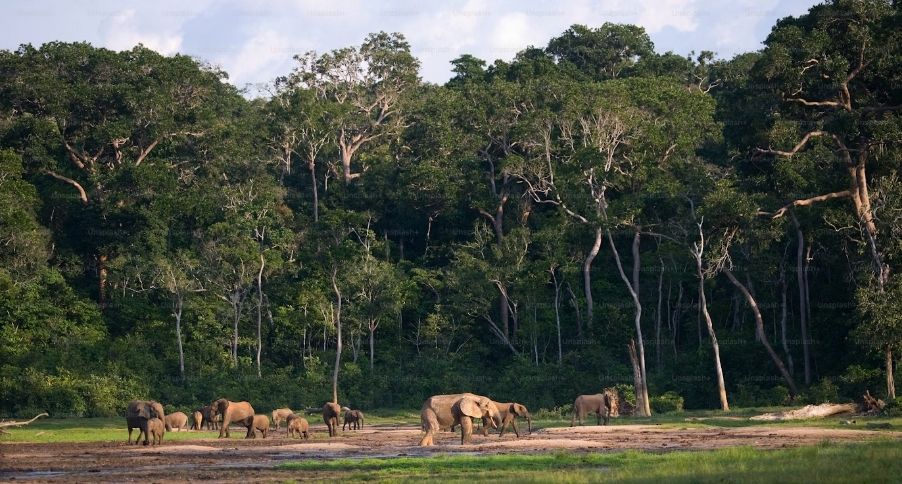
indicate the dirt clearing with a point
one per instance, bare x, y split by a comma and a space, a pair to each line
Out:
256, 460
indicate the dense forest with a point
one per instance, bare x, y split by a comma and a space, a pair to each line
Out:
591, 214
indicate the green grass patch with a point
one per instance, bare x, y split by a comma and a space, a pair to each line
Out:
879, 461
91, 430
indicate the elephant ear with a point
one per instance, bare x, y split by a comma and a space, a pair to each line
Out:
518, 410
144, 411
469, 407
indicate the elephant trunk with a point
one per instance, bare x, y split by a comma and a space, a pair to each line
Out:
529, 423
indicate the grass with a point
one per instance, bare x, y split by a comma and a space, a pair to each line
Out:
879, 461
113, 429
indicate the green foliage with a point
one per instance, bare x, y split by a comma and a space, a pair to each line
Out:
823, 391
893, 408
667, 402
158, 230
750, 395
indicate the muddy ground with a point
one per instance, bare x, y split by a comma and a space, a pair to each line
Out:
256, 460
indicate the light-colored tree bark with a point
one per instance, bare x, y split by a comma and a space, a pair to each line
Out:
698, 252
336, 318
759, 331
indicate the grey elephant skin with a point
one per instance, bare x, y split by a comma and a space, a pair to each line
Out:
510, 412
280, 415
138, 413
176, 420
331, 412
298, 427
441, 412
156, 428
603, 405
239, 413
353, 419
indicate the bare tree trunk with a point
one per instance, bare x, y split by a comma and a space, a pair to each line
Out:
759, 330
703, 304
890, 381
336, 316
698, 251
658, 318
638, 383
179, 303
312, 167
372, 328
633, 288
783, 318
557, 313
260, 314
101, 280
803, 297
579, 317
587, 275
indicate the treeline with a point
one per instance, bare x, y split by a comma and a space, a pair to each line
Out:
590, 214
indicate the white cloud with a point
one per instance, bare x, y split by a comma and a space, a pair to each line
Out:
122, 33
264, 56
655, 15
511, 34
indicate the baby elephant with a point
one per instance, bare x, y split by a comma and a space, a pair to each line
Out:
298, 426
261, 423
156, 429
353, 419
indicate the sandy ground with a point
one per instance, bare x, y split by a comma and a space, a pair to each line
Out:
256, 460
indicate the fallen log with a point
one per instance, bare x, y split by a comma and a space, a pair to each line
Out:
809, 411
19, 424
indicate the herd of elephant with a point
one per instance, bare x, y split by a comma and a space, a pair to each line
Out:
439, 412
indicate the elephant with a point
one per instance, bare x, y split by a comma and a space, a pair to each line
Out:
509, 414
156, 428
198, 420
298, 426
177, 420
445, 411
208, 421
352, 418
138, 413
261, 423
603, 405
241, 413
331, 411
279, 415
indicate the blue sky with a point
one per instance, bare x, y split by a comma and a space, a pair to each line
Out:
254, 40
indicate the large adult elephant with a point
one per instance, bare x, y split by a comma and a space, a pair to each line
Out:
331, 412
445, 411
603, 405
240, 413
138, 413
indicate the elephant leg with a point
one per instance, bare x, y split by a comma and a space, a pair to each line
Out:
146, 433
597, 417
251, 433
466, 430
485, 427
504, 426
430, 425
129, 441
224, 428
514, 425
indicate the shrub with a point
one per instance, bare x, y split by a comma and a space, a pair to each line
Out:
893, 407
821, 392
667, 402
556, 413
